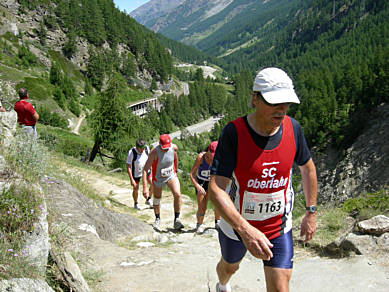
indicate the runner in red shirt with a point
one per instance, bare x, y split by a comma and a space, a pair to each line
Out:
27, 116
251, 184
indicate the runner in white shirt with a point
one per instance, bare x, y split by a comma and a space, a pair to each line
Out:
136, 159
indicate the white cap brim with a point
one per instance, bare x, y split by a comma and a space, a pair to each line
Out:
282, 95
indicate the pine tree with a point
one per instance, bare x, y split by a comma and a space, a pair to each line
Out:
109, 117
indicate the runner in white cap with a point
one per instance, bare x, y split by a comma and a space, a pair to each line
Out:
251, 183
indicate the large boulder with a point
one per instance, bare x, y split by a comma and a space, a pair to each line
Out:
370, 237
8, 121
24, 284
365, 166
84, 215
38, 242
376, 225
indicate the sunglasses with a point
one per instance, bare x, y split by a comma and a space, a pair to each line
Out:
260, 97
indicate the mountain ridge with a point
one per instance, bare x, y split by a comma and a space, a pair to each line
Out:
154, 9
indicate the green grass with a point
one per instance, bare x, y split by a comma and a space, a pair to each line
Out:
38, 88
12, 74
132, 95
62, 141
11, 37
368, 205
20, 206
27, 158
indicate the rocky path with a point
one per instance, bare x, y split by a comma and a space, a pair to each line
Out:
184, 261
204, 126
78, 125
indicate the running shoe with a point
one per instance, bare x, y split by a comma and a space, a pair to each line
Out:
228, 288
200, 228
157, 224
148, 202
136, 207
177, 224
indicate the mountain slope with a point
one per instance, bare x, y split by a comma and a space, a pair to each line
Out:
190, 18
154, 9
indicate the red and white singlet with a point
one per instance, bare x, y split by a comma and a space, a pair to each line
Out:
262, 189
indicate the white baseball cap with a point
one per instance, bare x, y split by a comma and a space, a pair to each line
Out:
275, 86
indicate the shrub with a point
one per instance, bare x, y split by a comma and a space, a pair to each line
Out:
368, 205
19, 209
27, 156
51, 118
74, 107
64, 142
59, 97
26, 58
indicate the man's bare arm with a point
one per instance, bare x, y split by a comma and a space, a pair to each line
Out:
309, 182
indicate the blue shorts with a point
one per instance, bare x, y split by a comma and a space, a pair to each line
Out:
233, 251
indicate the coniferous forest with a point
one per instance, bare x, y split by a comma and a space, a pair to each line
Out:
337, 53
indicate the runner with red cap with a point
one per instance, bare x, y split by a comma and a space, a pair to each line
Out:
199, 176
164, 162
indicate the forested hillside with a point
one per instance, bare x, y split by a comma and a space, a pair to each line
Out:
337, 54
86, 58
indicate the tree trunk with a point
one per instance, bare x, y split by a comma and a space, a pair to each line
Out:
95, 150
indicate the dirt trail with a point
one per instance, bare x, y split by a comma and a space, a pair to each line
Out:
186, 261
78, 125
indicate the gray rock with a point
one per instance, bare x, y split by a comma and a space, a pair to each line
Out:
9, 27
70, 271
360, 244
376, 225
383, 240
38, 242
108, 224
7, 126
23, 285
3, 163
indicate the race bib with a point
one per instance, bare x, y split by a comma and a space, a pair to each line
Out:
140, 168
259, 207
166, 172
205, 173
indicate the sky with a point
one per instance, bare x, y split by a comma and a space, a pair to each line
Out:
129, 5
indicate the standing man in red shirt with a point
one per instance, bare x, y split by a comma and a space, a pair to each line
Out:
27, 116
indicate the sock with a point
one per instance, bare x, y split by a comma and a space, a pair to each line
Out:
176, 215
225, 287
157, 216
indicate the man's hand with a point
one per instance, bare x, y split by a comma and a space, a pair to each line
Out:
146, 193
308, 226
256, 242
201, 191
133, 183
